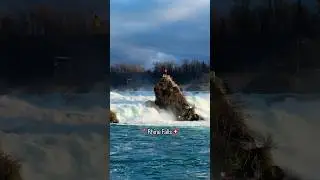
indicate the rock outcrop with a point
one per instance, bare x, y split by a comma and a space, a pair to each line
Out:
113, 117
10, 167
236, 152
169, 97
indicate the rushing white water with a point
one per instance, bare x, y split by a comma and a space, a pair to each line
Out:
130, 109
55, 108
293, 122
50, 135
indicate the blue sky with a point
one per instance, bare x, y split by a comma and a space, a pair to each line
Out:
145, 31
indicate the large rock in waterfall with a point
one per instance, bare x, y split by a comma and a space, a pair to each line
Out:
239, 153
170, 97
113, 117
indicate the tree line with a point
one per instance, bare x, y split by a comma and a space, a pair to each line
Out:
51, 44
43, 21
272, 35
183, 72
186, 67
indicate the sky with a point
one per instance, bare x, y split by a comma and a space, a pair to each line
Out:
147, 31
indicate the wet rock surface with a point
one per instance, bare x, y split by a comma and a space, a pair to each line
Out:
113, 117
240, 152
169, 97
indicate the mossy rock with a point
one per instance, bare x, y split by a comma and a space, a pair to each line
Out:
169, 97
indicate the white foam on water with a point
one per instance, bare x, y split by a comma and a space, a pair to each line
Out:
61, 156
54, 155
294, 124
130, 109
55, 108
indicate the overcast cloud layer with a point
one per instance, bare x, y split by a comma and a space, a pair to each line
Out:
143, 32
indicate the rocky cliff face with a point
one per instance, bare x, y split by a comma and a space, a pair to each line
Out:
238, 154
170, 97
113, 117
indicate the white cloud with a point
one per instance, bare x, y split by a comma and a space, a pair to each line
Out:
181, 9
130, 19
141, 55
167, 11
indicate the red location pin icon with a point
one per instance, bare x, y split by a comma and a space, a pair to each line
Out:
175, 131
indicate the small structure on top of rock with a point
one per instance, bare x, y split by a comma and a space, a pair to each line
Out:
170, 97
